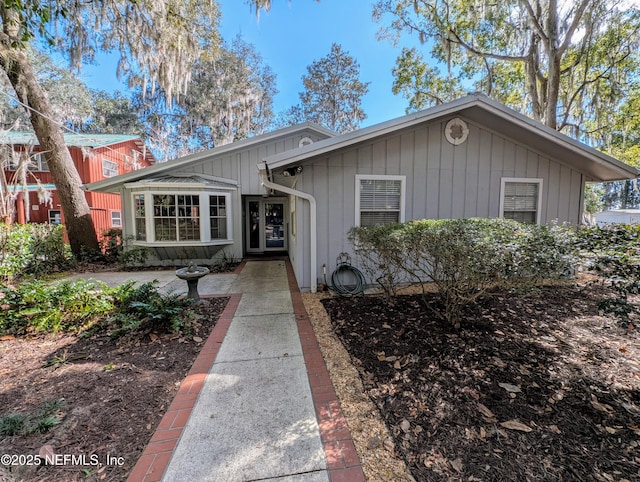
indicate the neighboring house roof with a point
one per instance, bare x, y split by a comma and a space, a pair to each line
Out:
108, 185
27, 138
491, 115
619, 211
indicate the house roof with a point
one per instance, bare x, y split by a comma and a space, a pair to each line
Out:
71, 139
197, 180
488, 113
112, 184
93, 141
620, 211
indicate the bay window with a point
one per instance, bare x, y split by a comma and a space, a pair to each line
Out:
188, 217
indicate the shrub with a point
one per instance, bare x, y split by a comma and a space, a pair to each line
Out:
463, 257
613, 252
81, 305
540, 252
111, 244
145, 307
377, 250
35, 249
64, 306
133, 257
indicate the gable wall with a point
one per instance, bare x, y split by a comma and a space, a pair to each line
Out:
442, 181
241, 165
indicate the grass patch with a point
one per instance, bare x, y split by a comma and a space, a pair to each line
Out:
47, 416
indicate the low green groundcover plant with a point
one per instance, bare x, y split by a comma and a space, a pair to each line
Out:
86, 306
47, 416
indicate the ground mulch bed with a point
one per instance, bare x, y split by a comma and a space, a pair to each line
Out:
114, 394
534, 386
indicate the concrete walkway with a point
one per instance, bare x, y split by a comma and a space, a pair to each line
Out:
258, 403
254, 419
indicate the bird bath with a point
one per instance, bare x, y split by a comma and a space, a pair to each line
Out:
192, 275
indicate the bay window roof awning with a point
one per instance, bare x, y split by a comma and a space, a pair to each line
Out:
185, 181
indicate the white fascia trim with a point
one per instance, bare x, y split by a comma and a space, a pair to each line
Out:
173, 187
152, 244
313, 209
180, 162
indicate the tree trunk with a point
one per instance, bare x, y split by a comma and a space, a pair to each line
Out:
625, 195
553, 91
78, 222
553, 70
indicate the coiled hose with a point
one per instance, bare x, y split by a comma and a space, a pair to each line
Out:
343, 266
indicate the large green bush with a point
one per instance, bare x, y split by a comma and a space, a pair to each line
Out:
33, 249
463, 257
613, 252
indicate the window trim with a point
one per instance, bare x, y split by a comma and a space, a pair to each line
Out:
528, 180
116, 168
39, 160
381, 177
113, 211
205, 220
59, 211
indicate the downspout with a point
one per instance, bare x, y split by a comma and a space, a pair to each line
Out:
313, 242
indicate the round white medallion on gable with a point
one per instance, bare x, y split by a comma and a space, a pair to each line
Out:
305, 141
456, 131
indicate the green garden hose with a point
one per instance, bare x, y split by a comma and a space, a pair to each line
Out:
343, 266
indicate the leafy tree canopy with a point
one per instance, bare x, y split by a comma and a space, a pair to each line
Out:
158, 42
564, 63
229, 98
333, 93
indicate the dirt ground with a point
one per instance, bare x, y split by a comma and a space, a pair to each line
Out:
110, 396
534, 386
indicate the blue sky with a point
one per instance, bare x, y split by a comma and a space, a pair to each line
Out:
294, 34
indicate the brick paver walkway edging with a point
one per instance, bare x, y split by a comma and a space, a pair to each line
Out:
155, 458
342, 459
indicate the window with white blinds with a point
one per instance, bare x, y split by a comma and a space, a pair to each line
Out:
380, 200
521, 200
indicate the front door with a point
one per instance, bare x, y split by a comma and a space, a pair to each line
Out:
265, 225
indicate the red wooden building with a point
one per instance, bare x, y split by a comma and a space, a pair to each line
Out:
96, 157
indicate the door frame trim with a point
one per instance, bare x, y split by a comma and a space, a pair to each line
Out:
284, 200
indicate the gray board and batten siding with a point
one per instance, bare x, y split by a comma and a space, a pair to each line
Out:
233, 162
442, 177
441, 180
240, 164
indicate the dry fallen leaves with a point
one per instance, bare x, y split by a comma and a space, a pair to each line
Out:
510, 388
515, 425
601, 407
488, 414
457, 465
